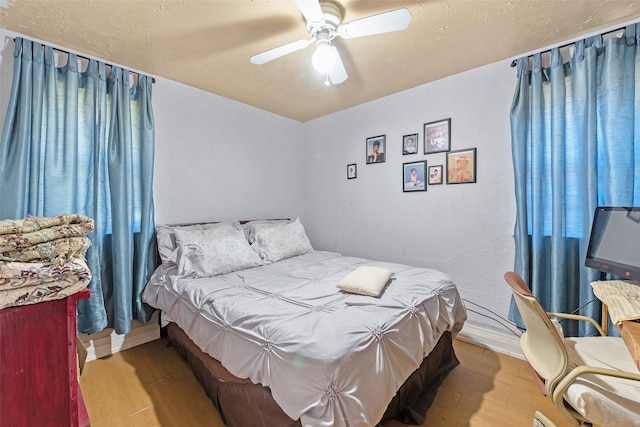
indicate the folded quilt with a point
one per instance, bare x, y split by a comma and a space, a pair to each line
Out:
56, 239
24, 283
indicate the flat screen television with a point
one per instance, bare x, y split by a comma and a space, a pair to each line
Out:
614, 245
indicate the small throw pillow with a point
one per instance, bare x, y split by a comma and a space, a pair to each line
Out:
205, 253
366, 280
281, 242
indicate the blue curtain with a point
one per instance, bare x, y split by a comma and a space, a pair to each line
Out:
83, 142
575, 132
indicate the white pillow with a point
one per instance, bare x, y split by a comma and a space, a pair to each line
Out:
366, 280
166, 239
205, 253
280, 242
252, 227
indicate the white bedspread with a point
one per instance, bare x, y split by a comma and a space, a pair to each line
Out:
330, 358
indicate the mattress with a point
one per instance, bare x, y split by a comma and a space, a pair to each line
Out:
329, 358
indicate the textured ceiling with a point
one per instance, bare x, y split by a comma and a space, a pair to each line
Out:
207, 43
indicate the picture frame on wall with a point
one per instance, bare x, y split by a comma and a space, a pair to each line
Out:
437, 136
410, 144
352, 171
461, 166
435, 175
376, 149
413, 176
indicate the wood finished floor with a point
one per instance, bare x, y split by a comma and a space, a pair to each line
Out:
150, 385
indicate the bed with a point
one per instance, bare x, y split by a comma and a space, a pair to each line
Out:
280, 334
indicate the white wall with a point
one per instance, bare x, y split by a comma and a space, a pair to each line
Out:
464, 230
218, 159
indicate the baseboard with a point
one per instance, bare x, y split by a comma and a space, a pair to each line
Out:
508, 344
108, 342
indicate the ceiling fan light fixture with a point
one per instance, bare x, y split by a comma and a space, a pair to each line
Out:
323, 58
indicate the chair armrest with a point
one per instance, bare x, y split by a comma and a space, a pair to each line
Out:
577, 317
563, 385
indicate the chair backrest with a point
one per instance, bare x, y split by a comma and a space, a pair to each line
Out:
541, 344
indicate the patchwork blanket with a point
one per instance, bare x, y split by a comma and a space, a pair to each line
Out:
56, 239
43, 258
23, 283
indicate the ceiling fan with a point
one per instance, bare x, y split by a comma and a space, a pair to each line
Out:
324, 23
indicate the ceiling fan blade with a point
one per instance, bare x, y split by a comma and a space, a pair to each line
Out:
311, 10
338, 73
279, 51
394, 20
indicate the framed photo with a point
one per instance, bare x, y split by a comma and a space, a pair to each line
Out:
352, 171
410, 144
435, 175
461, 166
437, 136
376, 149
413, 176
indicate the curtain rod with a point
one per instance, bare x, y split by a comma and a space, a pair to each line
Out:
515, 61
153, 80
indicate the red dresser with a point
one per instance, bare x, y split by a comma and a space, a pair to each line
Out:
38, 365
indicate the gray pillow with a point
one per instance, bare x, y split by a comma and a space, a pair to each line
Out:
205, 253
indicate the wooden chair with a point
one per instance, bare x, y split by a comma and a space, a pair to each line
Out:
590, 380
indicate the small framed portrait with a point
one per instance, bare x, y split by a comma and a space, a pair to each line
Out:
410, 144
435, 175
437, 136
352, 171
461, 166
376, 149
413, 176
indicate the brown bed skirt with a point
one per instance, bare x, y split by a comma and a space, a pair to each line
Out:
244, 404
